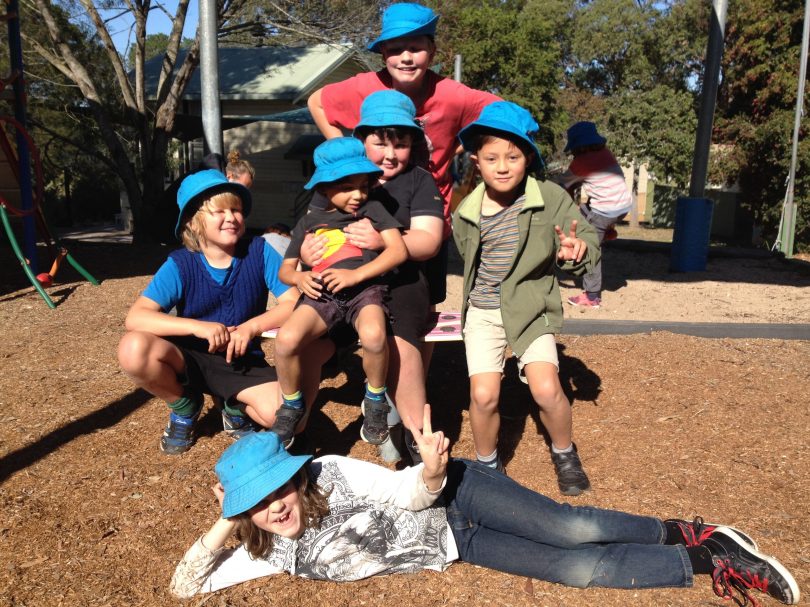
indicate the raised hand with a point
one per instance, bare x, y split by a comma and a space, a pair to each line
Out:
571, 247
434, 447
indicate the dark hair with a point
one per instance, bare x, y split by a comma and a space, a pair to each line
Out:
314, 506
389, 133
326, 184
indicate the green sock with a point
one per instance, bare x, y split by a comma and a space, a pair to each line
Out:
185, 406
232, 411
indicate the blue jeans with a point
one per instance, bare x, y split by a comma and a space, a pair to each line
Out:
499, 524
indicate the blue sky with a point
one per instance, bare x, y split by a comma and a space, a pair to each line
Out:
121, 27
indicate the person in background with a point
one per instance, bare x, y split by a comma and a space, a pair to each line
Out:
238, 170
596, 170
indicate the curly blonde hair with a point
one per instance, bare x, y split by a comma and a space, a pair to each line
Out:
314, 506
193, 230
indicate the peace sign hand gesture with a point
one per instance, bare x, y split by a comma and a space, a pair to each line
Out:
434, 447
571, 247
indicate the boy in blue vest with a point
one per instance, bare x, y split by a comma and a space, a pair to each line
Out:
219, 285
513, 231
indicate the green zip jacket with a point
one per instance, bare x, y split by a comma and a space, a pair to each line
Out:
531, 305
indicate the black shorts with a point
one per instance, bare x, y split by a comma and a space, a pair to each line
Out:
409, 309
436, 272
212, 375
343, 307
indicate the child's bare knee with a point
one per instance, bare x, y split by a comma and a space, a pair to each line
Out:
133, 351
484, 398
547, 391
373, 337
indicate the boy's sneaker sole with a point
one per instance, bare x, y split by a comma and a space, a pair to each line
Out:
375, 421
740, 567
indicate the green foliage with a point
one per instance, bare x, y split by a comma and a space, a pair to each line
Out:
756, 111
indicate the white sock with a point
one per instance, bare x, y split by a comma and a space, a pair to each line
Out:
490, 460
568, 449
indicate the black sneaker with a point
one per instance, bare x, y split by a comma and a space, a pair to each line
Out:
496, 465
287, 419
740, 567
178, 436
375, 420
571, 478
696, 532
413, 448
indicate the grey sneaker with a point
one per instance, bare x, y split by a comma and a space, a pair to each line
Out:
178, 436
375, 421
287, 419
741, 568
237, 426
571, 478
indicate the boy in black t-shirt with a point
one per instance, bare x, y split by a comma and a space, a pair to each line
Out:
342, 287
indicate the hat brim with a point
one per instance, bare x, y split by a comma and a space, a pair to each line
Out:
428, 29
581, 143
495, 127
196, 199
337, 171
389, 120
259, 487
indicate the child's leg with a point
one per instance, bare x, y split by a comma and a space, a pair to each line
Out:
540, 365
485, 347
301, 328
555, 410
405, 369
153, 363
370, 327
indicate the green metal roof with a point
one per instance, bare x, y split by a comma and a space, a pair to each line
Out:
273, 72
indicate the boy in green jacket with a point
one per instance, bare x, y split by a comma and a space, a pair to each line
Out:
511, 231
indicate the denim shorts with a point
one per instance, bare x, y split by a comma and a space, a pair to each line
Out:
485, 344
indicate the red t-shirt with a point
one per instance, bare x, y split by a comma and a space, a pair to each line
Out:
449, 107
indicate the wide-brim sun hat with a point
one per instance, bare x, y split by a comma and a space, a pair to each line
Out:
388, 109
508, 119
338, 158
203, 184
583, 134
405, 19
252, 468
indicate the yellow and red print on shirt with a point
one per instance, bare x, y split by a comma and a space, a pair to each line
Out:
337, 248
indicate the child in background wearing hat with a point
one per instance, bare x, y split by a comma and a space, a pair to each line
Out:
341, 519
443, 106
219, 284
344, 288
609, 200
512, 231
389, 132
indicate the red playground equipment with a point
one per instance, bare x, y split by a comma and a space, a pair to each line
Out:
19, 161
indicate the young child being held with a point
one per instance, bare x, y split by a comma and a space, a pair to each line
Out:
512, 231
344, 287
609, 200
219, 284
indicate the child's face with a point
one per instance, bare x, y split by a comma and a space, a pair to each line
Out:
349, 194
245, 179
223, 224
391, 155
280, 512
502, 165
408, 59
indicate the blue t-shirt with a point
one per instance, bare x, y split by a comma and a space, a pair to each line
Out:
166, 288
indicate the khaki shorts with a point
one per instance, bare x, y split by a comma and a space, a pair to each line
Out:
485, 344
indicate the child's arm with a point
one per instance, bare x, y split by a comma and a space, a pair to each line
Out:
306, 282
147, 316
394, 254
423, 238
242, 335
319, 116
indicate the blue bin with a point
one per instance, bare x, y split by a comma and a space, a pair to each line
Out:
690, 242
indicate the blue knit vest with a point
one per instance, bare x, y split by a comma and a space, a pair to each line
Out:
243, 297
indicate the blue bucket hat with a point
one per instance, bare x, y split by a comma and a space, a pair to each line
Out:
338, 158
203, 184
582, 134
388, 108
252, 468
506, 118
405, 19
